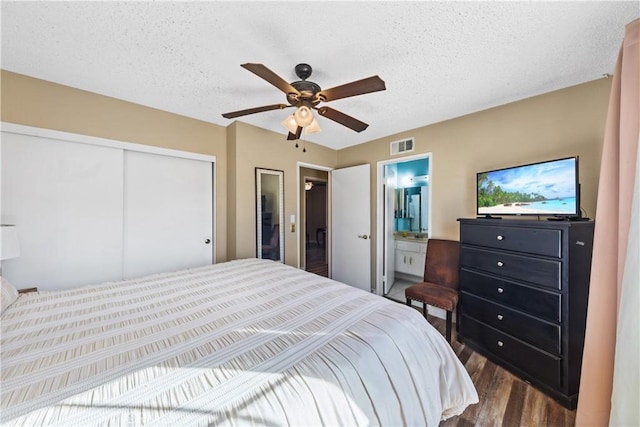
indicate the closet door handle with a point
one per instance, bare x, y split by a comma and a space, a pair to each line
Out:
207, 241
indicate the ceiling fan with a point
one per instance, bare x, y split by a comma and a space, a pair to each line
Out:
306, 95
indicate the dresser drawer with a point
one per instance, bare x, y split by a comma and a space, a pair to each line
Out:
538, 241
539, 333
535, 363
543, 272
537, 302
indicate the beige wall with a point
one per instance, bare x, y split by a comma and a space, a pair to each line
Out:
563, 123
33, 102
255, 147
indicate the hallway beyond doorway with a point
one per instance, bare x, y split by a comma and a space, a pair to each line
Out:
317, 258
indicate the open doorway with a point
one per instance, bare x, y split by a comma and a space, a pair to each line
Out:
316, 226
314, 221
405, 212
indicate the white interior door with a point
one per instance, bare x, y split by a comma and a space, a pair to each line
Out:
389, 260
167, 213
66, 200
351, 226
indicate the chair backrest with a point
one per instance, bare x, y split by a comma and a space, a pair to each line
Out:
442, 262
275, 235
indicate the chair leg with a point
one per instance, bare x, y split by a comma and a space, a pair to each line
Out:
424, 309
409, 301
449, 316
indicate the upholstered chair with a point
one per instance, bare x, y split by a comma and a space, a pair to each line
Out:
440, 283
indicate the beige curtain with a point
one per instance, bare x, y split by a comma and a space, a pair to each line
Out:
614, 272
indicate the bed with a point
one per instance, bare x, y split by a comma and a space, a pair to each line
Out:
246, 342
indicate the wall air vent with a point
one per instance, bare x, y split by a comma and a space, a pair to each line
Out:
402, 146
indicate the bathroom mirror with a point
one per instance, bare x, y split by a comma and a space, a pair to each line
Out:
412, 209
270, 214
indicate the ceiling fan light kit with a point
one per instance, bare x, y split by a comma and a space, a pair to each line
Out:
306, 95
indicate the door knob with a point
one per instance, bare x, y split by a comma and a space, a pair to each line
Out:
363, 236
207, 241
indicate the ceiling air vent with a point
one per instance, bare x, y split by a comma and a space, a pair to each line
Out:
402, 146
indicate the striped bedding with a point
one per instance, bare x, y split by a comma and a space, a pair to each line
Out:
246, 342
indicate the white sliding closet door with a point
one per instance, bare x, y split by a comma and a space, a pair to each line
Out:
168, 212
66, 199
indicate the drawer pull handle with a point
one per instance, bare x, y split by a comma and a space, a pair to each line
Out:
500, 344
500, 263
500, 290
499, 237
500, 317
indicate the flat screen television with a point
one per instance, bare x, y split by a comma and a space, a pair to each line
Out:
548, 188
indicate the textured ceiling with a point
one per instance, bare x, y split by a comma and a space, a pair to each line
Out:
439, 60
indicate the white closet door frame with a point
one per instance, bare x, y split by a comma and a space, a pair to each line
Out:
85, 139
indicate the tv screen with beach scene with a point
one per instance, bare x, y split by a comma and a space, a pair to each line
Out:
544, 188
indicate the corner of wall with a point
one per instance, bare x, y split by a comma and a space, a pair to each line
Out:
232, 150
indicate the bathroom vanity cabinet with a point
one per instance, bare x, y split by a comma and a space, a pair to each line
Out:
410, 257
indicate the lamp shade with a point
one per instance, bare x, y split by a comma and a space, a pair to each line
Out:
290, 124
9, 247
313, 127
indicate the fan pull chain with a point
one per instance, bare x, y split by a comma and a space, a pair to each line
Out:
304, 141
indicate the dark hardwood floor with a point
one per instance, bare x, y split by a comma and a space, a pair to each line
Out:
317, 259
505, 400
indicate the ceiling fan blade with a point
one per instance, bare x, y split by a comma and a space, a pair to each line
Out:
359, 87
342, 118
268, 75
292, 137
235, 114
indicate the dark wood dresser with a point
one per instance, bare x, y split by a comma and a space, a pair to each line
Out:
524, 287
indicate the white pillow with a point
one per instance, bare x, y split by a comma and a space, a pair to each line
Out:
8, 294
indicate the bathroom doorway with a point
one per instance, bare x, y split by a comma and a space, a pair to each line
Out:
405, 212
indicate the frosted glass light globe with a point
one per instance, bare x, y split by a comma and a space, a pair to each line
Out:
303, 116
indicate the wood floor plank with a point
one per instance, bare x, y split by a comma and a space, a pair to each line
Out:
555, 413
482, 379
513, 411
493, 411
465, 354
569, 418
534, 411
